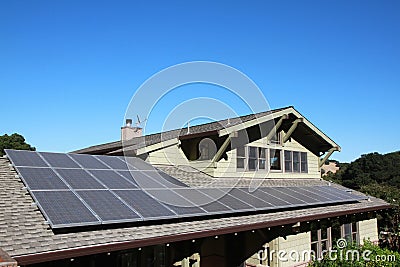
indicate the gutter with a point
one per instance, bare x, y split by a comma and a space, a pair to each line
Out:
109, 247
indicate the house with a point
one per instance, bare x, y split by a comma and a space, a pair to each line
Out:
277, 155
330, 166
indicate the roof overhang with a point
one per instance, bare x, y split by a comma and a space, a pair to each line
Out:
130, 244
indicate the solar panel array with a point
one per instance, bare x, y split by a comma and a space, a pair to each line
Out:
79, 190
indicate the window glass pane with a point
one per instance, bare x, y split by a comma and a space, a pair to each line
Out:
261, 153
314, 235
314, 248
261, 164
262, 158
354, 227
324, 245
252, 152
288, 161
275, 159
240, 163
335, 230
252, 164
347, 231
304, 167
241, 152
324, 233
354, 237
296, 161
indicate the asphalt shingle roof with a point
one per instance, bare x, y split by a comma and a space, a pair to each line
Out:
23, 230
147, 140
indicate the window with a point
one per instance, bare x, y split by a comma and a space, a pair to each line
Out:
288, 161
251, 158
320, 239
296, 161
240, 157
350, 232
275, 159
336, 230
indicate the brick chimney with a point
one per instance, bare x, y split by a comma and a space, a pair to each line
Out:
128, 132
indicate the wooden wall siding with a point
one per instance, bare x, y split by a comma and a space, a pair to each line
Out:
173, 155
368, 229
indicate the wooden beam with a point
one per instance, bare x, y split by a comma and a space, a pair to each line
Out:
274, 130
291, 130
221, 150
330, 151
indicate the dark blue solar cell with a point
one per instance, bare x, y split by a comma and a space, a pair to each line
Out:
112, 180
64, 209
88, 161
79, 179
59, 160
147, 206
115, 163
25, 158
203, 201
245, 196
41, 178
108, 206
139, 164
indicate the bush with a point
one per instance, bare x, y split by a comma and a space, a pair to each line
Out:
369, 255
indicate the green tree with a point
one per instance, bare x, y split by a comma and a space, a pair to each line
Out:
14, 141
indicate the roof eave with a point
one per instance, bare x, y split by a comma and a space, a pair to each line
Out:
104, 248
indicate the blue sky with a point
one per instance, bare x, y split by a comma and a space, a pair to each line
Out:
68, 69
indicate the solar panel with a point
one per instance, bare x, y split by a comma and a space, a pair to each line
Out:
143, 180
112, 179
294, 193
25, 158
145, 205
233, 203
139, 164
57, 160
274, 200
79, 179
81, 190
201, 200
115, 163
88, 161
245, 196
275, 192
169, 180
318, 196
175, 202
41, 178
108, 207
64, 209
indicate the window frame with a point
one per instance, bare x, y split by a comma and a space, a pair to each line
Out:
246, 158
302, 165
